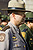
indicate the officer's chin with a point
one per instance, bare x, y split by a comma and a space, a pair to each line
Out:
20, 23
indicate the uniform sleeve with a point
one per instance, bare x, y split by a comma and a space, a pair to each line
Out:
7, 39
9, 43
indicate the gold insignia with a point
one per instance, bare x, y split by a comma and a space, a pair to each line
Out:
13, 37
2, 37
30, 38
23, 34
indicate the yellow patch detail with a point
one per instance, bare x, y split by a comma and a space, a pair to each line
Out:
30, 38
31, 43
0, 28
23, 34
16, 45
24, 46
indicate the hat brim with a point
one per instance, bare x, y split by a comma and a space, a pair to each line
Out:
16, 9
28, 18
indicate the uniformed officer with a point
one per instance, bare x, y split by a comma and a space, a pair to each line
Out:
27, 32
30, 26
12, 32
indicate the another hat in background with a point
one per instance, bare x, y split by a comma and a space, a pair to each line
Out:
29, 16
4, 17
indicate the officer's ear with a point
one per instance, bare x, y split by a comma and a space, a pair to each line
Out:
13, 15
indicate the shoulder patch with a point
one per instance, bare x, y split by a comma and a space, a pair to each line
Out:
2, 37
5, 28
23, 34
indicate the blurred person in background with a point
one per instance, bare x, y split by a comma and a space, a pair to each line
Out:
27, 31
4, 20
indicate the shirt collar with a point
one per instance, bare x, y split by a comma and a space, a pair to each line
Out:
10, 23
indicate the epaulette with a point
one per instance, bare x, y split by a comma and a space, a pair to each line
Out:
5, 28
24, 30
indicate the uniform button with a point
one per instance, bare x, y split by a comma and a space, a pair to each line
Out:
24, 46
30, 38
16, 45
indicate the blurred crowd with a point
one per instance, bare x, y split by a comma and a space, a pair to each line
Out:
4, 19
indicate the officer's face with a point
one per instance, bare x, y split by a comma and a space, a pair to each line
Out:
18, 18
30, 24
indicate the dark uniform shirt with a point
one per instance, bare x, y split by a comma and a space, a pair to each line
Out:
28, 35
